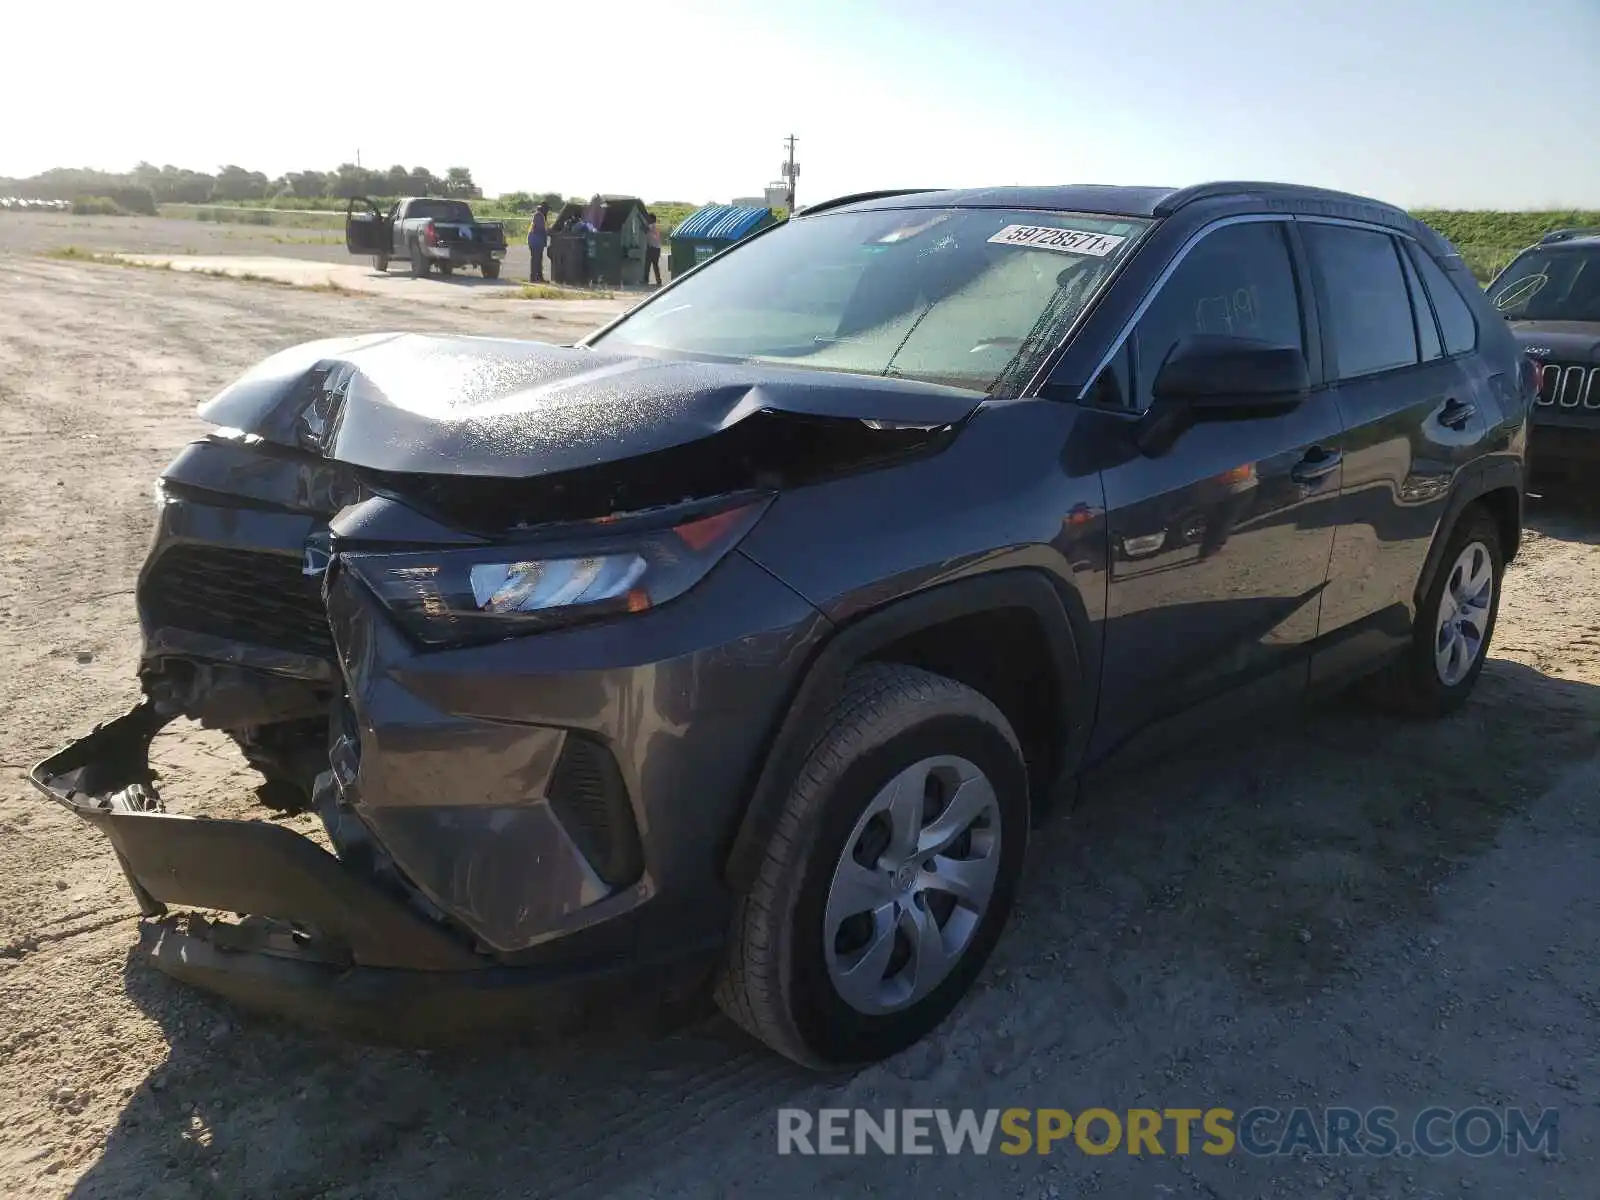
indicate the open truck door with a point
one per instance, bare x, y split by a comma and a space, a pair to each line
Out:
368, 231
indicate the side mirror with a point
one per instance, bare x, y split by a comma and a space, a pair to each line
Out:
1211, 377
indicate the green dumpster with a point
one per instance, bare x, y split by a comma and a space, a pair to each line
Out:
710, 230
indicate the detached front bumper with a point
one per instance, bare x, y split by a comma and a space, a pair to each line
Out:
324, 943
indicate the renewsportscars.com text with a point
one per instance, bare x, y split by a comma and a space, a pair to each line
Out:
1261, 1132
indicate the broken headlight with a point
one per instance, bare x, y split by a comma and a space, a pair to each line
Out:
457, 597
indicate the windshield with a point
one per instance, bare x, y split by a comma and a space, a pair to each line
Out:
440, 210
970, 298
1550, 285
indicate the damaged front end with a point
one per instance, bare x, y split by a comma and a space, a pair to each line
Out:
433, 589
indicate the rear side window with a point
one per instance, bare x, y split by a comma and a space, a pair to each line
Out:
1369, 308
1238, 280
1455, 317
1422, 312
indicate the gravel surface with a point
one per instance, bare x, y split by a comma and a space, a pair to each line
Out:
1331, 910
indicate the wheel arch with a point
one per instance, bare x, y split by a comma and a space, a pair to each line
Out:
925, 630
1497, 487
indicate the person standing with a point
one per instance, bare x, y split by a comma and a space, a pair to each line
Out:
652, 249
538, 237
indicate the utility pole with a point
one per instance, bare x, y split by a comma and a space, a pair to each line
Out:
791, 169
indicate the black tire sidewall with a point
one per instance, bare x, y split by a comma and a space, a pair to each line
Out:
833, 1030
1475, 527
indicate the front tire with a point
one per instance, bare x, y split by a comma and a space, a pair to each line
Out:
890, 874
1455, 623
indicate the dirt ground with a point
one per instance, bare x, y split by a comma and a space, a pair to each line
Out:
1334, 910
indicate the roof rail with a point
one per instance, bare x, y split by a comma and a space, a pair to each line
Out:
1211, 191
857, 198
1562, 235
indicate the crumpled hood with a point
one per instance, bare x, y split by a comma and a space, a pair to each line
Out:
1560, 341
414, 403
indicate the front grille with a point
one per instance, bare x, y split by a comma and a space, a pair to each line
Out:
1568, 385
243, 595
591, 802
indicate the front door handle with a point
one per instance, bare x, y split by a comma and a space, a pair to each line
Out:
1455, 414
1316, 466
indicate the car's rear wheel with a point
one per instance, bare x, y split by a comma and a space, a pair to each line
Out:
1454, 623
491, 269
447, 269
889, 877
419, 263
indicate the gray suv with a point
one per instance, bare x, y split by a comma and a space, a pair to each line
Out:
745, 642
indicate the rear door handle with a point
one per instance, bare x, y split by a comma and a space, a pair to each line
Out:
1455, 414
1317, 465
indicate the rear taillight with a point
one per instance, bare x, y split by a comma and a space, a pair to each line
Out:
430, 234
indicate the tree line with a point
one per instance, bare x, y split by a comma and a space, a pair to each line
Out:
234, 184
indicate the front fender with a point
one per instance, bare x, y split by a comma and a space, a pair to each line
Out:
857, 641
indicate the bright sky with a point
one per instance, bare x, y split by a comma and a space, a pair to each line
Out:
1457, 103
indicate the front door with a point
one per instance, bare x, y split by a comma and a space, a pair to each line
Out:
1219, 546
365, 231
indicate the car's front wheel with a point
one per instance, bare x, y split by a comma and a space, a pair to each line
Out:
889, 877
1454, 623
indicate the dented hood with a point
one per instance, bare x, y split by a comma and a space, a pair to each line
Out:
497, 407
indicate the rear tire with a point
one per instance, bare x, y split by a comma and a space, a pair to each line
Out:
1455, 623
447, 269
491, 269
846, 949
419, 263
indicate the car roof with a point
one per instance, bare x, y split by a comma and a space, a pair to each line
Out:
1217, 198
1562, 239
1107, 199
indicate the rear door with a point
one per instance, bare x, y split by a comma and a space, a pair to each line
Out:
1413, 417
1219, 547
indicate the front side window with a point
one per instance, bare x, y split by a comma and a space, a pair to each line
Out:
1553, 283
1369, 308
969, 298
1237, 280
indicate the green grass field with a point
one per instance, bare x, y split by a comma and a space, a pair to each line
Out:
1490, 240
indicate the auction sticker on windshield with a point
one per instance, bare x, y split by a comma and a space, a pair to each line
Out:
1066, 241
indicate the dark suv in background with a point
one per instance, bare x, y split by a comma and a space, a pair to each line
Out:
749, 638
1551, 295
